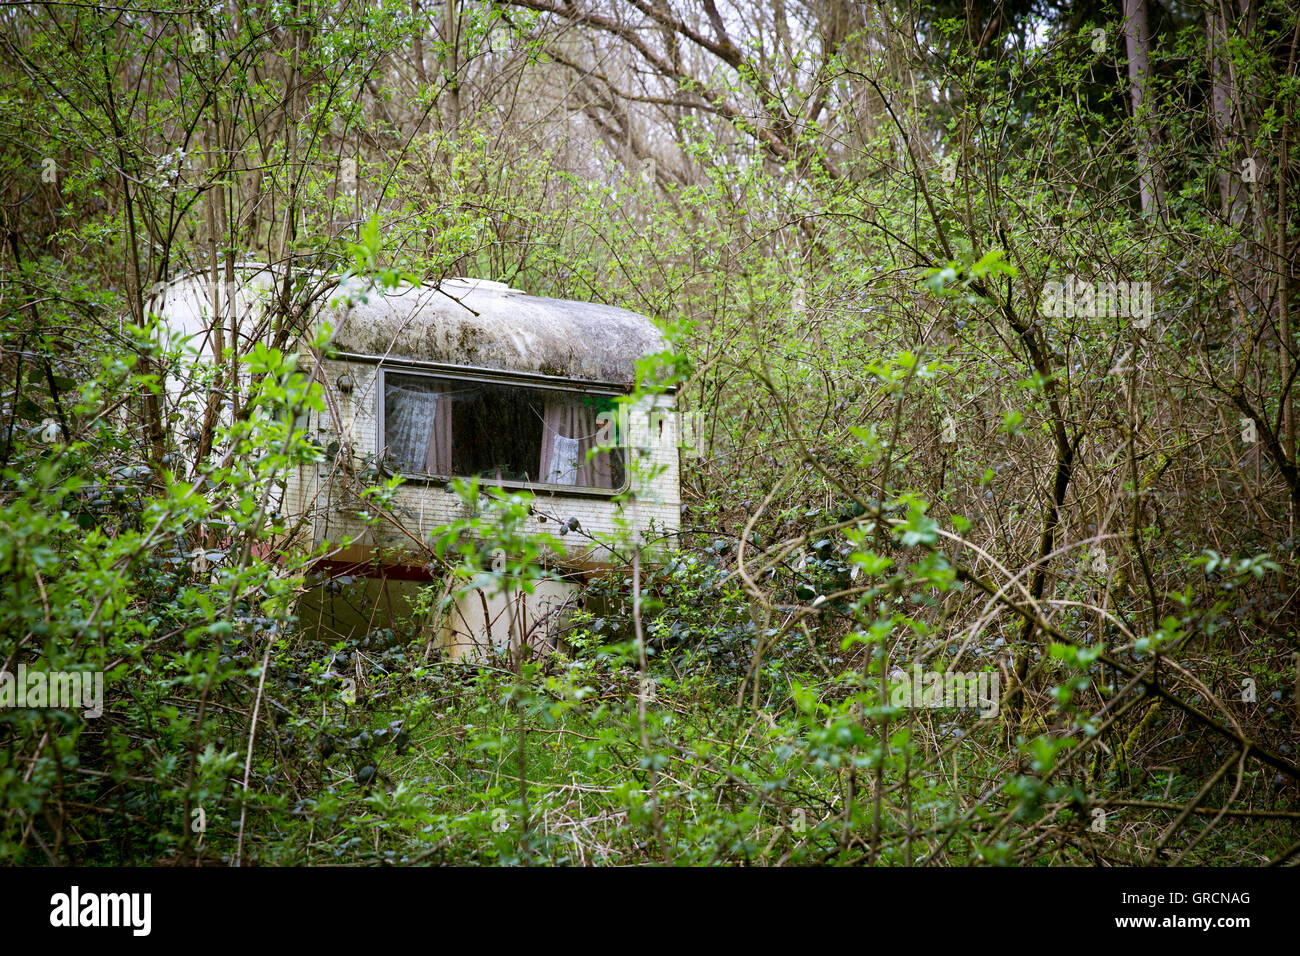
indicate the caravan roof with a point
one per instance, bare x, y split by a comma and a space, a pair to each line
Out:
479, 324
466, 323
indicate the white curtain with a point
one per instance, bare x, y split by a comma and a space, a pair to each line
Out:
417, 429
569, 432
564, 461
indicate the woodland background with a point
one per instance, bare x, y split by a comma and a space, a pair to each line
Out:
844, 215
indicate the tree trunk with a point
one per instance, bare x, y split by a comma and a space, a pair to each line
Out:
451, 36
1225, 116
1137, 40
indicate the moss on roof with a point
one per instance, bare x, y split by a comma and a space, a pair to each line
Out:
488, 325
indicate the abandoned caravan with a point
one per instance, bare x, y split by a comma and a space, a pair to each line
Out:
464, 378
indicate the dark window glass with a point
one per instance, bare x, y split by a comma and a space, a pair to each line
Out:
445, 427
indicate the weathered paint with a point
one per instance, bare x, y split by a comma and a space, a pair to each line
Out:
487, 325
464, 324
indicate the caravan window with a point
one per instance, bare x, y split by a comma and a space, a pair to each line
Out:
442, 427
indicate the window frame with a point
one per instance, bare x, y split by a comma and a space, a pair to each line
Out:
462, 373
